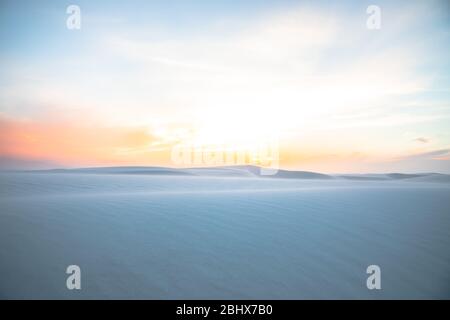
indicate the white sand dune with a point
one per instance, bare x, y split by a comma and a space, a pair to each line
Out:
222, 233
419, 177
248, 171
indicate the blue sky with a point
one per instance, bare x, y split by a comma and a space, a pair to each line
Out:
234, 71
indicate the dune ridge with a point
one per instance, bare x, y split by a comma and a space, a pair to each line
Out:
250, 171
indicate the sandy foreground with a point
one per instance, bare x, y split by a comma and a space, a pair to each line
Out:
170, 236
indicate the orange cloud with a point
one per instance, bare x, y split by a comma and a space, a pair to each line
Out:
77, 144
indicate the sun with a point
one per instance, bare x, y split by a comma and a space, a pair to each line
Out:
241, 129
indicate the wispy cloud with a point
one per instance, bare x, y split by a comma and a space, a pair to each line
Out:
422, 140
314, 77
441, 154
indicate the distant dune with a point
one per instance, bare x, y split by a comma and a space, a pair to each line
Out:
418, 177
250, 171
119, 170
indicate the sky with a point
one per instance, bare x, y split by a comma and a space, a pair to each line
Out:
309, 78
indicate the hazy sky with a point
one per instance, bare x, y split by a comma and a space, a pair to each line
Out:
141, 76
